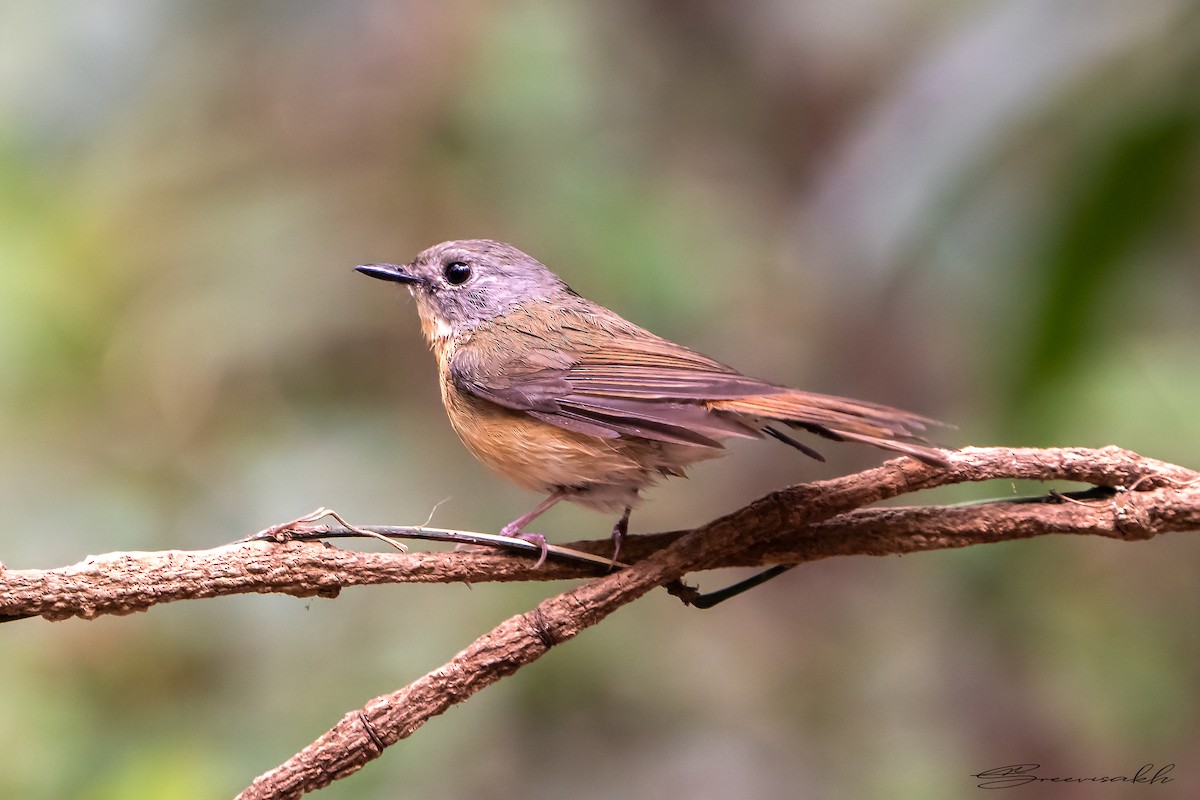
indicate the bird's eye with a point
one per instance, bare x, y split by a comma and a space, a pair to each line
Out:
457, 272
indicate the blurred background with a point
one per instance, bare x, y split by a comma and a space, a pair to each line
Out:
985, 211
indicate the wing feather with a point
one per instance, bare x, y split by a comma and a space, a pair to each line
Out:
609, 378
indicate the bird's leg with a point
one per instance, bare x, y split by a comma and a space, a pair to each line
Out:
515, 527
619, 530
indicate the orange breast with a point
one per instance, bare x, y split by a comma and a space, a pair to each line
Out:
543, 457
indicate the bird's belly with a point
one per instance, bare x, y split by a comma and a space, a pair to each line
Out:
537, 455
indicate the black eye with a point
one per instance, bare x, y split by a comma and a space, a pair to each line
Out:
457, 272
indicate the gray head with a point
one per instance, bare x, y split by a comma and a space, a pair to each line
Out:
461, 284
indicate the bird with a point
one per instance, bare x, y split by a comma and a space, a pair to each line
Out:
565, 397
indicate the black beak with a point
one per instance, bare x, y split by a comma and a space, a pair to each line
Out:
388, 272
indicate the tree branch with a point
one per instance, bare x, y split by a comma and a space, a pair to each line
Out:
362, 735
798, 524
778, 528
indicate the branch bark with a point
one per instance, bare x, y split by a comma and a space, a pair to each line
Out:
798, 524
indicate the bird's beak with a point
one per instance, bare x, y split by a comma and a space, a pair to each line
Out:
389, 272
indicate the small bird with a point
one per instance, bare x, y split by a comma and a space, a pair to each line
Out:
563, 396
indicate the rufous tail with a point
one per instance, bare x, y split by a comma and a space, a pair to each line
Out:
840, 419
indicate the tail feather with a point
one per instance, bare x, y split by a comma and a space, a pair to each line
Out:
775, 433
840, 418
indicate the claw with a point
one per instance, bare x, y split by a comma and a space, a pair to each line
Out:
538, 539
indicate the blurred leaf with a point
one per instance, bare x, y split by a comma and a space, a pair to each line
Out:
1125, 190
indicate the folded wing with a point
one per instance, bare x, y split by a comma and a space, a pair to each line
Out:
638, 384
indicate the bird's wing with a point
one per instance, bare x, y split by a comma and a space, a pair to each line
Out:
595, 381
601, 385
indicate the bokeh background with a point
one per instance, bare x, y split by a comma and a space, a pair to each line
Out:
986, 211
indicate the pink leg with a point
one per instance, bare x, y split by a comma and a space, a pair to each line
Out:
515, 527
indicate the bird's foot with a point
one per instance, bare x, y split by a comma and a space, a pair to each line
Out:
513, 530
540, 541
